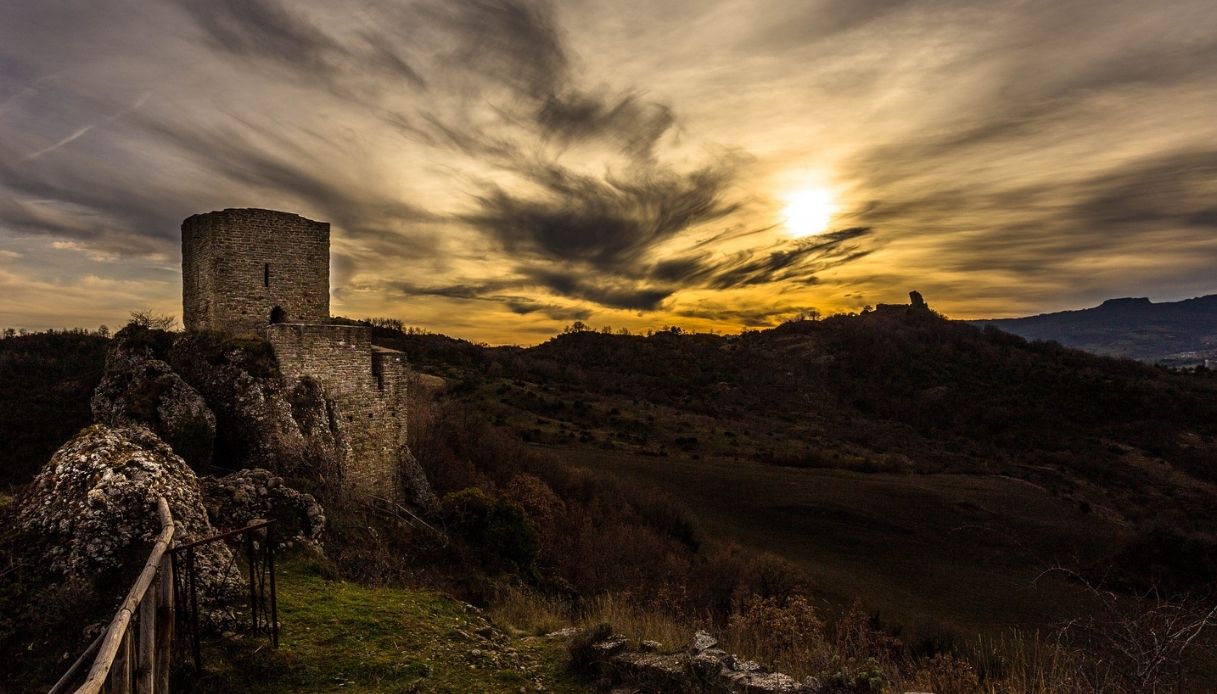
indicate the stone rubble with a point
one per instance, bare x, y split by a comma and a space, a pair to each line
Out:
236, 500
700, 668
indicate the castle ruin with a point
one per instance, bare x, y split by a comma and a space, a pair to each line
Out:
267, 273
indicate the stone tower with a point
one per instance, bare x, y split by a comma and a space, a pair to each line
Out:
245, 269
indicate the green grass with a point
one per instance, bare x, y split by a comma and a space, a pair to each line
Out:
339, 636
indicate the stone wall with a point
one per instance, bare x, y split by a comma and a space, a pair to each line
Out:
238, 265
368, 388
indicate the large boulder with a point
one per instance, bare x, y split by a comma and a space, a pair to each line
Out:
139, 389
92, 509
236, 500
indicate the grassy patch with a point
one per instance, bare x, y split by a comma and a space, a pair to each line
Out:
339, 636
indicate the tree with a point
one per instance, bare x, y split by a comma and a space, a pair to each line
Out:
103, 330
576, 327
149, 320
1147, 636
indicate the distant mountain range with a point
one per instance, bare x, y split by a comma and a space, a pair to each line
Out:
1176, 333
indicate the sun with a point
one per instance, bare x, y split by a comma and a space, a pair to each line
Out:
808, 211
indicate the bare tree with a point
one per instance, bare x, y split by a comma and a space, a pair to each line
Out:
1148, 635
152, 321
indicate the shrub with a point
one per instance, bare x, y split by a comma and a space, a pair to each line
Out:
495, 530
784, 633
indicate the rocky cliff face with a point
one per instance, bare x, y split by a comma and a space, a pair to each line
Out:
260, 421
236, 500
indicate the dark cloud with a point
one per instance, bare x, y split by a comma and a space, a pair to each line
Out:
493, 292
752, 318
525, 307
606, 222
518, 45
795, 264
456, 291
632, 125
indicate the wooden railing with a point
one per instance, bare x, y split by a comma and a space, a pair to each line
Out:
133, 657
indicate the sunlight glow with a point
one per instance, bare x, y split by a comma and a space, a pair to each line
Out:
808, 211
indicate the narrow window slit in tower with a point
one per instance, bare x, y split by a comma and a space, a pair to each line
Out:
266, 275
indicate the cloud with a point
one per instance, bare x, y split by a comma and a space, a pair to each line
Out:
272, 32
606, 222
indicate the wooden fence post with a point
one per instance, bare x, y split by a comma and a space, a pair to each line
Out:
120, 672
164, 625
146, 662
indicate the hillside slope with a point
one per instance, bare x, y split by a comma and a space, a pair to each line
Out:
893, 390
1179, 332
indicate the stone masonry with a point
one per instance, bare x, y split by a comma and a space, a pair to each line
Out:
267, 273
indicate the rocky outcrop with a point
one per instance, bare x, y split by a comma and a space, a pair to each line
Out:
92, 509
138, 389
416, 490
236, 500
222, 403
700, 668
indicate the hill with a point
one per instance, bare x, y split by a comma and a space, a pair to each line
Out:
1176, 333
928, 467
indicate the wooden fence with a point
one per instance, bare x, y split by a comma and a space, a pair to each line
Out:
133, 654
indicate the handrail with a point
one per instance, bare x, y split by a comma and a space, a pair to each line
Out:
116, 635
258, 525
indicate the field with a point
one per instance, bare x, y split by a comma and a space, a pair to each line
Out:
965, 549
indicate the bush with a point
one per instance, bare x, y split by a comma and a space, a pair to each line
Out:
495, 530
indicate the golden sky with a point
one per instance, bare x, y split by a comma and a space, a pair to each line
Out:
496, 169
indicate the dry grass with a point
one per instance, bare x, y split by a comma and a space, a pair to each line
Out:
792, 638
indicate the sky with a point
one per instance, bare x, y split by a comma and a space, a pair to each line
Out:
497, 169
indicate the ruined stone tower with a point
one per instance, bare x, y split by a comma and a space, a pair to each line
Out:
265, 272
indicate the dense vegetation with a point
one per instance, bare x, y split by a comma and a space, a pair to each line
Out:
46, 380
